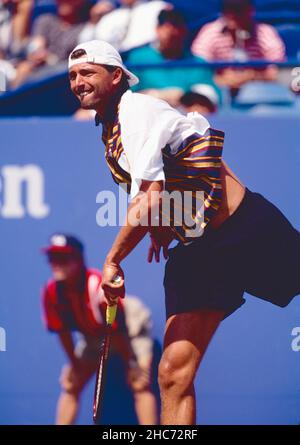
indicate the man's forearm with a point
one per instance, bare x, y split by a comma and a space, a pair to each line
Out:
125, 242
67, 342
137, 224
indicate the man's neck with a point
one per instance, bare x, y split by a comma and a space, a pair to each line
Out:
108, 115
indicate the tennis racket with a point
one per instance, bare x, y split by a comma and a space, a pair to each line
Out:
111, 312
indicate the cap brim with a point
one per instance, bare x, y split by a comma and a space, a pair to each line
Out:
59, 249
132, 78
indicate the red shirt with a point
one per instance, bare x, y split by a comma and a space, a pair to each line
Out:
82, 309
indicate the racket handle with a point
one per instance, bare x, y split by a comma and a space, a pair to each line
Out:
111, 312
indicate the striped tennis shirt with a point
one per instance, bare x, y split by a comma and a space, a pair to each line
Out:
149, 140
215, 43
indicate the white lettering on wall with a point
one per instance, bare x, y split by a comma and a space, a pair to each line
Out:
23, 192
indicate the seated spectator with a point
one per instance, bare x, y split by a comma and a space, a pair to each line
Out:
171, 45
235, 36
7, 75
99, 10
54, 36
15, 19
132, 25
201, 98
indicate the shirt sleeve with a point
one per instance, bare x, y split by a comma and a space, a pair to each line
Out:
273, 46
112, 27
147, 126
42, 25
203, 44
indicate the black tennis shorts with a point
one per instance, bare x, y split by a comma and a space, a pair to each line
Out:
256, 250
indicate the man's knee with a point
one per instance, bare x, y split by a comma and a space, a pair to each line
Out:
72, 394
72, 381
176, 372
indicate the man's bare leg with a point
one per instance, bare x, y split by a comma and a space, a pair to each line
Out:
187, 336
72, 382
144, 399
145, 407
67, 408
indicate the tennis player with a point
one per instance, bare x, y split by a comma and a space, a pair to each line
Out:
73, 301
243, 242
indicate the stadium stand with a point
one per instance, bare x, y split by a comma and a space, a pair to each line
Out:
285, 16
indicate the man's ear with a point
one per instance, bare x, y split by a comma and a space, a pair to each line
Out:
117, 76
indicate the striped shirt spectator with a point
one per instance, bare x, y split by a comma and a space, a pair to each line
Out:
215, 42
237, 37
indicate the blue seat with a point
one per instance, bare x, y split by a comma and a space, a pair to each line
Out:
264, 93
44, 7
290, 34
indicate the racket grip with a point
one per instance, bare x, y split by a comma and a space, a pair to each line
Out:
111, 312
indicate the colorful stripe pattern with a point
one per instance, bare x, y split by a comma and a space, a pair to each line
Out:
194, 168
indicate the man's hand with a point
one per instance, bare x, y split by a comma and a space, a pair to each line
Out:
99, 10
160, 237
112, 289
138, 377
70, 377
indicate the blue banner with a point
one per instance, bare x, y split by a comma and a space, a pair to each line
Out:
51, 171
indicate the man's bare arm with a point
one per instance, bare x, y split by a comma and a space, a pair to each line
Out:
129, 236
66, 340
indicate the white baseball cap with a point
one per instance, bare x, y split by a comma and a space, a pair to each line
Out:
207, 91
102, 53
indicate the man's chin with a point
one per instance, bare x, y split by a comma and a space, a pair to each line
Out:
88, 103
88, 106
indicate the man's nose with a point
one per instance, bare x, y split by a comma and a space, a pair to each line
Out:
79, 82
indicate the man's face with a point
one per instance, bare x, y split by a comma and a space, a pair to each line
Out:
65, 267
67, 8
93, 85
170, 35
239, 19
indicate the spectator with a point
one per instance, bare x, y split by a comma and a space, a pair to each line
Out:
201, 98
55, 34
99, 10
171, 45
132, 25
74, 301
8, 74
235, 36
15, 16
53, 38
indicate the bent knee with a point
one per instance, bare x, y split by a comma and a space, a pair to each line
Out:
174, 372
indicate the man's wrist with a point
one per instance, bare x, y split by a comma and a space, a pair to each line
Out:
112, 260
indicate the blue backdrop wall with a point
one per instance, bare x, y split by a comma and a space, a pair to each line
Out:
250, 374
